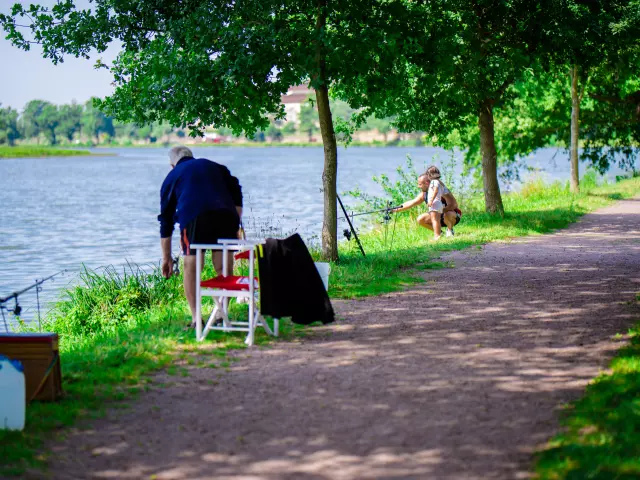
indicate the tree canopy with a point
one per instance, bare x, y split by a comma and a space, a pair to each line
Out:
196, 63
441, 67
8, 125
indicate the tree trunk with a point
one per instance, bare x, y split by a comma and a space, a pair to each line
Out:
575, 130
330, 173
492, 198
329, 176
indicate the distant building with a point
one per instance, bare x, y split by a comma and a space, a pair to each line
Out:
293, 100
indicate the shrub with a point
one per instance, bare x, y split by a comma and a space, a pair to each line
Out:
106, 299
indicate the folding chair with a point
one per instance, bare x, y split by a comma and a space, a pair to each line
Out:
223, 287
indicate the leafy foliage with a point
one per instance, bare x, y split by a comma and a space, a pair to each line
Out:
8, 126
405, 187
105, 300
70, 120
94, 122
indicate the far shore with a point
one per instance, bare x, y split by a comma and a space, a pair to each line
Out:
260, 144
29, 151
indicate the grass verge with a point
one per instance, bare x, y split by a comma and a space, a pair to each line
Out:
35, 152
601, 438
395, 258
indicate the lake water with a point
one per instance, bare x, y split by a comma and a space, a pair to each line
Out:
60, 213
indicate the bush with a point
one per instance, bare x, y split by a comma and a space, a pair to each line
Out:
108, 299
396, 193
591, 179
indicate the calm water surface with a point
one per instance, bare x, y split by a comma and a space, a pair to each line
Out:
61, 213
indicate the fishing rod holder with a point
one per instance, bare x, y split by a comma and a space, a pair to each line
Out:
176, 265
351, 231
17, 309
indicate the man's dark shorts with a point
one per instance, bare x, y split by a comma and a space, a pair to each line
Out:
458, 216
208, 227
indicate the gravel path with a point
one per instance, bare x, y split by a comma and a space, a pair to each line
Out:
462, 377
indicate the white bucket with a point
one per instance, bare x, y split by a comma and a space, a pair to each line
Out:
323, 269
12, 395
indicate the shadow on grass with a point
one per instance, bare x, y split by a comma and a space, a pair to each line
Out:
390, 266
610, 196
602, 437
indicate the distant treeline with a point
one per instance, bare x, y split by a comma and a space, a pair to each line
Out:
42, 122
45, 123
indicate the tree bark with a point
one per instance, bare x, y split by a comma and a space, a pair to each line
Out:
492, 197
330, 173
329, 176
575, 130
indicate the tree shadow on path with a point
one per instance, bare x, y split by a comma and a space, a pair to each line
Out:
462, 377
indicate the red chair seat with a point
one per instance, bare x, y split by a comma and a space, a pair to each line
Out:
231, 282
242, 255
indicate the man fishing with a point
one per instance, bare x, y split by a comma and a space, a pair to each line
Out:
451, 213
206, 200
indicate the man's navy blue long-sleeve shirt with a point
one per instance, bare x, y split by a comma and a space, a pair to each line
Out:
195, 186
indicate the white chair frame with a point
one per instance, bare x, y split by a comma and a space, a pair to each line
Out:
221, 296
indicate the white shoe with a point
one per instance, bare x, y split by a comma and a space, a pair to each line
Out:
449, 233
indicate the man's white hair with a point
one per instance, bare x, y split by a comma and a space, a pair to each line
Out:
178, 153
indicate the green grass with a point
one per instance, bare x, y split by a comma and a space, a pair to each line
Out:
392, 265
601, 437
36, 151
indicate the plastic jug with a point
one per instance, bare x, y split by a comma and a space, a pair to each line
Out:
12, 394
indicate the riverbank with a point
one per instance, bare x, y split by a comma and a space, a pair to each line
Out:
37, 152
490, 349
115, 331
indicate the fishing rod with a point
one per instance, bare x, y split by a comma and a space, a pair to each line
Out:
386, 210
17, 309
37, 283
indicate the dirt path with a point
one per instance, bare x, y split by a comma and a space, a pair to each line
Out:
462, 377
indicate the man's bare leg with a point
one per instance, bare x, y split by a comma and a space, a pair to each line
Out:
216, 258
189, 274
424, 220
217, 262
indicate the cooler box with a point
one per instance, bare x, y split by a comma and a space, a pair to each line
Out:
38, 353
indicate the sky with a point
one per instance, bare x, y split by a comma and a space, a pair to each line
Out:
27, 76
